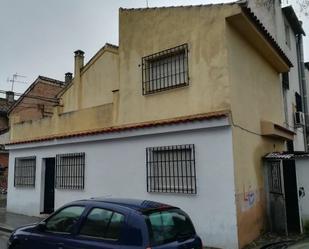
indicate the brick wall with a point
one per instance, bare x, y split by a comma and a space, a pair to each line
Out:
3, 122
4, 159
33, 109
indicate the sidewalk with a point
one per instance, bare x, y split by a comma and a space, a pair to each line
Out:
10, 221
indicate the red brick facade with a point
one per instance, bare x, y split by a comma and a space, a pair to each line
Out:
35, 103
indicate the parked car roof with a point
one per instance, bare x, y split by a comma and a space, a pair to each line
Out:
135, 204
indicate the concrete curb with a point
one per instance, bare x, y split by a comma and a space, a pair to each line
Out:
6, 229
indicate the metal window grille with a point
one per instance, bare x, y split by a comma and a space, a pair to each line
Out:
165, 70
24, 172
171, 169
275, 185
70, 171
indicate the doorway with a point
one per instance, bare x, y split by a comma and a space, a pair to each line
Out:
49, 188
291, 196
283, 197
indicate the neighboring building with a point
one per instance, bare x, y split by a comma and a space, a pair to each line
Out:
307, 81
37, 101
182, 112
290, 169
284, 26
5, 104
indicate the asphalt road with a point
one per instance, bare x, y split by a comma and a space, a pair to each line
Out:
3, 239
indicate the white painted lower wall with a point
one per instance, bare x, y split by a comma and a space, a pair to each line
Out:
116, 168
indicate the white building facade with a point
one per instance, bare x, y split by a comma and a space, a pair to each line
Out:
118, 162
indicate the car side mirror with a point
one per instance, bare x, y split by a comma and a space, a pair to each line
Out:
41, 226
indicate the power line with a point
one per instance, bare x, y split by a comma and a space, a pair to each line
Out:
47, 99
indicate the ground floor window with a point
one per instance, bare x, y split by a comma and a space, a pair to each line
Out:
70, 171
24, 171
171, 169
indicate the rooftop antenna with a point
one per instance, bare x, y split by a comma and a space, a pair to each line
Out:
14, 80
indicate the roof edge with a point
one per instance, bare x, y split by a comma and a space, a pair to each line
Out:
183, 6
33, 84
148, 124
261, 28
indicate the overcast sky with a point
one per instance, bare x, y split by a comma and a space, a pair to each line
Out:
38, 37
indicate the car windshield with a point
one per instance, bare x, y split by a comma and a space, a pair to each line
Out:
168, 225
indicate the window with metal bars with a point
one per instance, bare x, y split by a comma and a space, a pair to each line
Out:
275, 186
24, 172
165, 70
171, 169
70, 171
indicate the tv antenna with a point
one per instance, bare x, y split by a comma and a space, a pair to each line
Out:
14, 80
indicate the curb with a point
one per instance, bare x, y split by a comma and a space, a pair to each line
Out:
6, 229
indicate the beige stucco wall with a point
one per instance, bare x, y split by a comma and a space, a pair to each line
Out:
64, 123
85, 105
146, 32
255, 95
99, 77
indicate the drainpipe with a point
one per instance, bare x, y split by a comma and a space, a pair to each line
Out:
303, 86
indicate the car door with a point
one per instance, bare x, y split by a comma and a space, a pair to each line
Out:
101, 229
58, 229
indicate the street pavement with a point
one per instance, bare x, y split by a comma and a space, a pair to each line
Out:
3, 239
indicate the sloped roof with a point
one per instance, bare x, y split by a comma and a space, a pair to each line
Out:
285, 155
259, 25
38, 80
246, 10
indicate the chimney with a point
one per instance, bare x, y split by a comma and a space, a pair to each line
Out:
79, 63
68, 78
9, 96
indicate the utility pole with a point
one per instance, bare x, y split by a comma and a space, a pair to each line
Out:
147, 4
14, 80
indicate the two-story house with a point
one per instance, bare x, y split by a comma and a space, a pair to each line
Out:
287, 30
182, 112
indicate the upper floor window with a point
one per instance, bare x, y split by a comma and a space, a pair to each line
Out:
287, 35
298, 101
70, 171
165, 70
285, 81
24, 172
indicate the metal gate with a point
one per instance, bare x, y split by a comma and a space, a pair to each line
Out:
276, 196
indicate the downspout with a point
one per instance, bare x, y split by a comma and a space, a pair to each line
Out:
303, 86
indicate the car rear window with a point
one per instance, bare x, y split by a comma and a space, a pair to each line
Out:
168, 225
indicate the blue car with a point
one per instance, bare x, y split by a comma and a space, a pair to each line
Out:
110, 224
